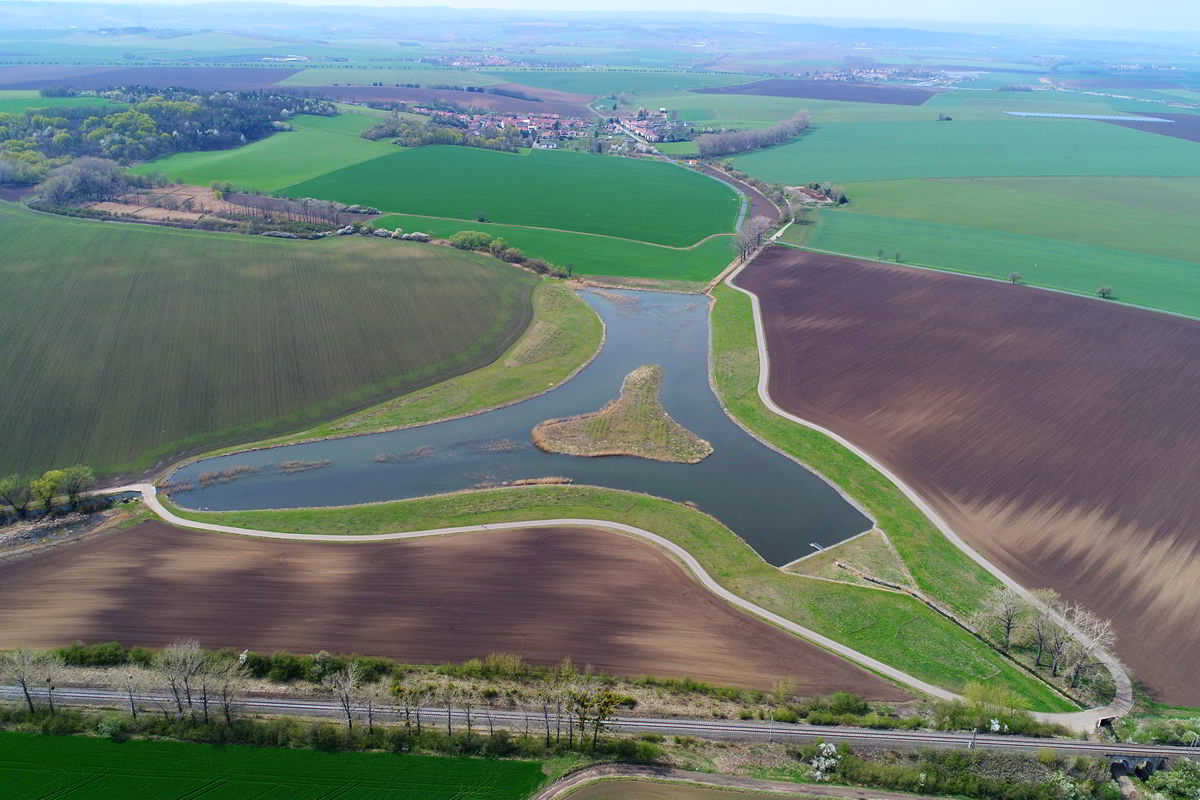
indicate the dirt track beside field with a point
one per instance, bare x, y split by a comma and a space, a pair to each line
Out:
1059, 435
544, 593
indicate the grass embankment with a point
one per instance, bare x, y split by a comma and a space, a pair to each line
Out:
893, 628
167, 341
36, 766
565, 334
634, 424
316, 145
638, 199
589, 254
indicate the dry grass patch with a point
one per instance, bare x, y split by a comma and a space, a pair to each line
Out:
634, 424
858, 560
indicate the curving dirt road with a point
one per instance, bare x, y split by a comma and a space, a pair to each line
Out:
561, 788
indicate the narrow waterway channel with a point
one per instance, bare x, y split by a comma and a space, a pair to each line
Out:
780, 508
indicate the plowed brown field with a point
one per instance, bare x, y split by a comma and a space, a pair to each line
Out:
544, 593
1183, 126
1059, 435
828, 90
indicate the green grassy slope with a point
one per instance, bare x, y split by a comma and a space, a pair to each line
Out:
34, 766
1147, 280
637, 199
591, 255
316, 146
124, 344
16, 101
847, 152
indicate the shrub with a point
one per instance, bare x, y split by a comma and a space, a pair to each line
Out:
470, 240
102, 654
512, 255
847, 703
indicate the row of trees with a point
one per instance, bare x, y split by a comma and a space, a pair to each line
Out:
480, 241
751, 236
187, 682
267, 207
20, 493
1065, 638
713, 145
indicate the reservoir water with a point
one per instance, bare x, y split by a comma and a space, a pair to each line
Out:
780, 508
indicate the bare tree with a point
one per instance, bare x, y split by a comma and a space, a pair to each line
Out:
1002, 612
1015, 277
50, 666
1042, 623
229, 681
344, 683
1105, 291
1096, 638
20, 666
179, 664
133, 687
712, 145
374, 702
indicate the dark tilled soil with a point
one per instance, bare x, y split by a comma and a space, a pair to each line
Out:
1184, 126
1059, 435
828, 90
760, 206
595, 596
233, 78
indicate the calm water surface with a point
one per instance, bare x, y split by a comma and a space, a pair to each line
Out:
777, 506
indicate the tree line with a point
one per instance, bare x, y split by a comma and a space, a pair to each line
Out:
154, 122
713, 145
24, 495
1066, 639
482, 242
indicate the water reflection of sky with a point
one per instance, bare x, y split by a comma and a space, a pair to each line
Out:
770, 501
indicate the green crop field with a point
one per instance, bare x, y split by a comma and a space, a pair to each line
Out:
316, 146
70, 767
602, 82
860, 151
163, 340
589, 254
1147, 280
1145, 215
636, 199
15, 101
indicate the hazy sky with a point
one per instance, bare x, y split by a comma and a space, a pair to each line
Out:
1168, 15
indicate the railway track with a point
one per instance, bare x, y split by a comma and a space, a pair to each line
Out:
706, 729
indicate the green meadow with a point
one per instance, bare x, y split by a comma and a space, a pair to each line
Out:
589, 254
74, 767
168, 341
316, 146
847, 152
631, 198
